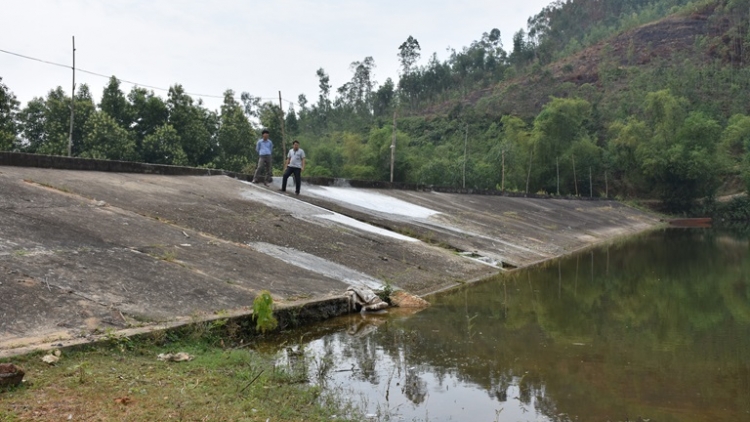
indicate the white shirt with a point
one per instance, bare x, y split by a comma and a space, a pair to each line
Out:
295, 157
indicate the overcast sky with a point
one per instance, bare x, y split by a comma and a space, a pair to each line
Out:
247, 46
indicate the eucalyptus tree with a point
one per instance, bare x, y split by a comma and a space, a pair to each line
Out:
45, 122
320, 112
84, 109
523, 50
33, 120
190, 120
236, 136
305, 120
408, 54
358, 92
735, 142
517, 149
250, 104
115, 104
623, 139
354, 104
560, 124
8, 124
106, 139
291, 123
680, 157
149, 112
481, 63
384, 99
163, 146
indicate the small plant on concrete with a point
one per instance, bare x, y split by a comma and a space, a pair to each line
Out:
263, 312
386, 292
168, 256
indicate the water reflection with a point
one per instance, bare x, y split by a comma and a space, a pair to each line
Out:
657, 327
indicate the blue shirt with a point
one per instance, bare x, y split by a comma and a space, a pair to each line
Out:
264, 147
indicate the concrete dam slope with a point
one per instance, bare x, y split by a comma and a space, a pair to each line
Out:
86, 252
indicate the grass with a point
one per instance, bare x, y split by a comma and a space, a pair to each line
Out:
49, 186
123, 380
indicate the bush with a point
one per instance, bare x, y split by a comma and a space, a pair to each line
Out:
738, 209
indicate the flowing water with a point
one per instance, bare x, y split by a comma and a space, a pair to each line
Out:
656, 327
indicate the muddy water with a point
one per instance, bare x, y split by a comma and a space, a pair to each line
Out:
657, 327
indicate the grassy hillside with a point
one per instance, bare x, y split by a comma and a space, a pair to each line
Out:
693, 53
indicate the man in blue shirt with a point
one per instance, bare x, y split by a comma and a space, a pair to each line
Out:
264, 147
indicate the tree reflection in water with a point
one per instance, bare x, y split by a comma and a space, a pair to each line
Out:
656, 327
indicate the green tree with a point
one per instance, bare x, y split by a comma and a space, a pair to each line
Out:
512, 151
588, 166
665, 114
149, 112
384, 99
291, 123
236, 136
682, 162
327, 161
624, 165
408, 53
735, 138
251, 104
84, 109
164, 147
45, 124
190, 121
358, 93
735, 143
106, 139
115, 104
8, 123
561, 123
322, 109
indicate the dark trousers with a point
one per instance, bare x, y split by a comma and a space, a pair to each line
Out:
296, 172
264, 166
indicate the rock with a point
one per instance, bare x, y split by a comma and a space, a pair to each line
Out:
50, 359
364, 299
10, 375
404, 299
174, 357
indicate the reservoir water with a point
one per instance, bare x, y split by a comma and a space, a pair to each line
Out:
655, 327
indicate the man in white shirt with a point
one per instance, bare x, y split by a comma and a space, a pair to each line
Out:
295, 163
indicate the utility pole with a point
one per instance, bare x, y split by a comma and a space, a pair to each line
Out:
393, 145
72, 102
283, 135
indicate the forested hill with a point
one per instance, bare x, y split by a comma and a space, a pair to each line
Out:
627, 98
699, 41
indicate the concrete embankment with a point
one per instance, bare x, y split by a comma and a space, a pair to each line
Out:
85, 252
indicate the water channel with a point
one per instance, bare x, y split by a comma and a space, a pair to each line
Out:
656, 327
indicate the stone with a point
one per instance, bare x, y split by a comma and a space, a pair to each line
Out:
10, 375
404, 299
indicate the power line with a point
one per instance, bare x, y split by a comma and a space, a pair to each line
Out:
122, 80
